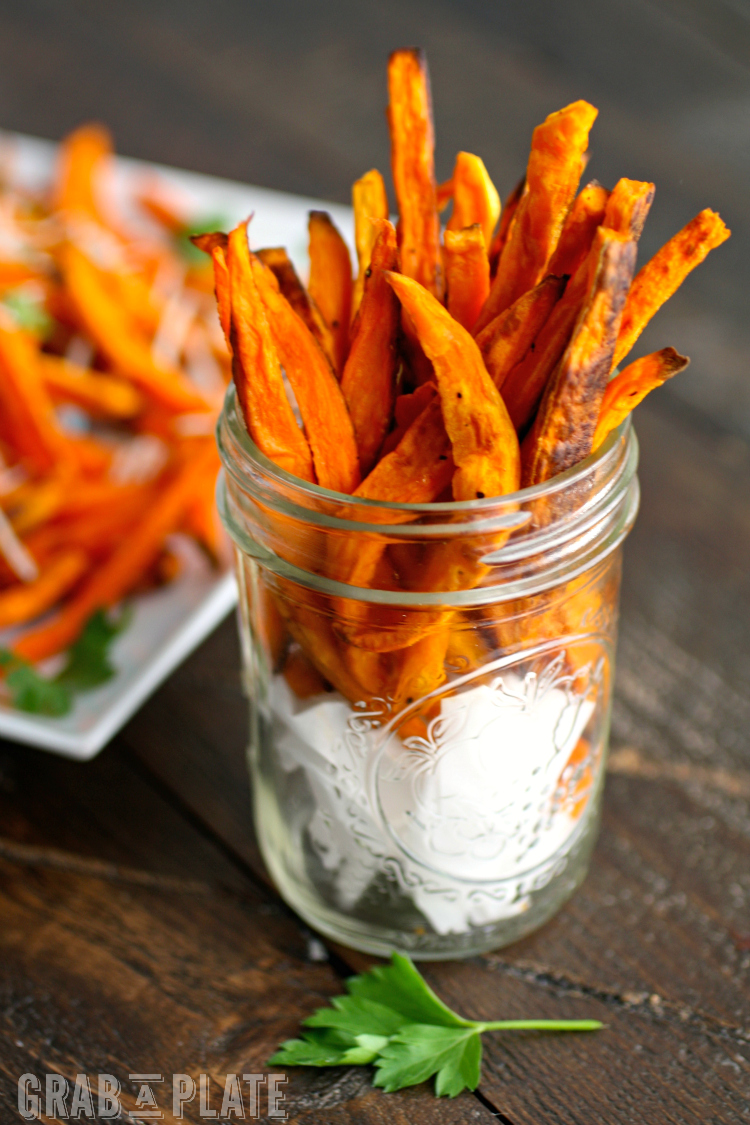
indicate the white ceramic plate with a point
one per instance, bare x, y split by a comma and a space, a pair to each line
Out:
168, 623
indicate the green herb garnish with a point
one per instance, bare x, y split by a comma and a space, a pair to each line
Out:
31, 692
392, 1019
28, 311
88, 666
89, 658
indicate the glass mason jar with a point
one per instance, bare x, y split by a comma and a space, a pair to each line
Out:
430, 690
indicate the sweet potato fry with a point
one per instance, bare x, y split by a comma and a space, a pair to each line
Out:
416, 472
95, 495
95, 528
127, 349
368, 382
22, 603
629, 387
82, 156
327, 423
413, 168
267, 617
133, 292
89, 455
409, 406
507, 215
554, 169
312, 632
372, 669
444, 194
467, 647
18, 563
453, 565
209, 240
579, 228
525, 383
467, 273
202, 518
15, 273
485, 446
406, 410
28, 417
163, 204
41, 500
418, 469
475, 198
563, 430
100, 394
215, 245
664, 273
330, 284
506, 339
222, 292
369, 201
628, 207
422, 668
280, 265
302, 676
257, 372
114, 578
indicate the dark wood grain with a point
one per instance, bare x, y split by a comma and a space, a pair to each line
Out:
107, 977
649, 1064
193, 734
182, 965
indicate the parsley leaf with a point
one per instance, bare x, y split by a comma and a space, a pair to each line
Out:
401, 987
28, 311
392, 1019
453, 1054
351, 1013
330, 1047
31, 692
88, 666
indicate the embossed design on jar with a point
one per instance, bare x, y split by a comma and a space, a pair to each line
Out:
503, 771
473, 817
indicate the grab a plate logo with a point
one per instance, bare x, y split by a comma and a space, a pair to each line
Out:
152, 1097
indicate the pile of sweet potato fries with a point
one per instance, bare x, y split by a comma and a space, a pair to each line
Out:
458, 367
112, 371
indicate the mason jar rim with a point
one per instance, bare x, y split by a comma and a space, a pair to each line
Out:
535, 546
231, 425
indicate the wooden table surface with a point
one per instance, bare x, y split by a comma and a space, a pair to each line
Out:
138, 932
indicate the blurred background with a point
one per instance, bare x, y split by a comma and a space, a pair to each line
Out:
291, 95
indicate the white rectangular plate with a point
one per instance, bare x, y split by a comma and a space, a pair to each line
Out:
168, 623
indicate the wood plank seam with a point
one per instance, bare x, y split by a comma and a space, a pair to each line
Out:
201, 826
488, 1104
639, 1003
29, 855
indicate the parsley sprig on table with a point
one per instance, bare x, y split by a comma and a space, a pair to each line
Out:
392, 1019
